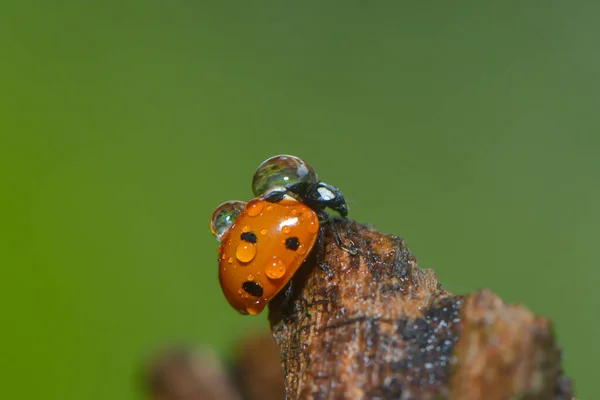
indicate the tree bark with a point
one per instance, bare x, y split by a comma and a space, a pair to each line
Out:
364, 321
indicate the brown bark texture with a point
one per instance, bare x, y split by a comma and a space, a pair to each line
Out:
364, 321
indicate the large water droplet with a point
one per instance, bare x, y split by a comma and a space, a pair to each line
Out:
283, 171
224, 216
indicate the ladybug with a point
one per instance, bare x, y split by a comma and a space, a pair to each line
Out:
266, 240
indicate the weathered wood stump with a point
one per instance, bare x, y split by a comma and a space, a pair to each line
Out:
371, 324
364, 321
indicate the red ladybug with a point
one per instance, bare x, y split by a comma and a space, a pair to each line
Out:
265, 241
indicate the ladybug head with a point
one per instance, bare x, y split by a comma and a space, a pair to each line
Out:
321, 195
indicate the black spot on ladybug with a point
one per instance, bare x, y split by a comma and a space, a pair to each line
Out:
275, 196
292, 243
253, 288
249, 237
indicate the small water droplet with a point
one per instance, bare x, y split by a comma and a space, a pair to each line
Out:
301, 250
253, 310
313, 225
264, 232
254, 208
286, 229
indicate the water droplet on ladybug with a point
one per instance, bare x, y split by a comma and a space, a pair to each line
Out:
253, 311
283, 171
313, 226
301, 250
224, 216
245, 252
254, 208
275, 269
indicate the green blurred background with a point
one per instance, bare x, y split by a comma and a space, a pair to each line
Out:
471, 129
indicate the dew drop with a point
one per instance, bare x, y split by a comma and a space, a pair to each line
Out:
275, 269
286, 229
255, 306
301, 250
283, 171
224, 216
313, 225
245, 252
254, 208
253, 311
264, 232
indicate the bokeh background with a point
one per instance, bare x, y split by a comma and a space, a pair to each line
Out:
471, 129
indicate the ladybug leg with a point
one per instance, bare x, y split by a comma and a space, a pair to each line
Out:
321, 254
348, 248
324, 218
287, 295
325, 268
289, 315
